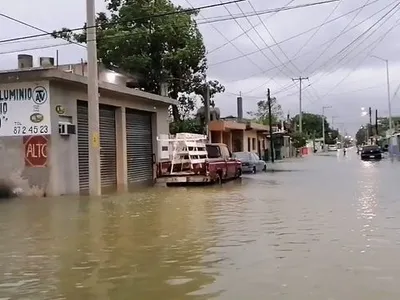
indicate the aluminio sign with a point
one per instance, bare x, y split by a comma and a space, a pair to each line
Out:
25, 109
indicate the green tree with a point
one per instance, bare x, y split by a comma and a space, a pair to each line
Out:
187, 125
361, 135
312, 124
164, 48
298, 139
262, 113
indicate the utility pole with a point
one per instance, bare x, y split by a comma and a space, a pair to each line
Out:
333, 120
207, 111
270, 126
300, 79
376, 122
370, 125
93, 102
388, 91
323, 125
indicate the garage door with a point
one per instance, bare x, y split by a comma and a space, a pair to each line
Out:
108, 151
83, 146
107, 143
139, 143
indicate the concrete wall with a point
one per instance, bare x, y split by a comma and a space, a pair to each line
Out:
252, 134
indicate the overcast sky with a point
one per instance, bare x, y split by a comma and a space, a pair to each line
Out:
337, 57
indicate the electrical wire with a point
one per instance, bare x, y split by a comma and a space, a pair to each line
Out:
268, 11
337, 64
335, 39
331, 59
294, 36
254, 43
377, 42
311, 51
243, 33
36, 28
318, 29
176, 12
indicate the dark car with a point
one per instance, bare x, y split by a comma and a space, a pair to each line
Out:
371, 152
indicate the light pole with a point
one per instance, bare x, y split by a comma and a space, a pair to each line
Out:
388, 91
323, 126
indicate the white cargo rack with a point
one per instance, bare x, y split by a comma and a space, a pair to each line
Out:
183, 148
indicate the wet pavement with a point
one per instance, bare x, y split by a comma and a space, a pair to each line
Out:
326, 227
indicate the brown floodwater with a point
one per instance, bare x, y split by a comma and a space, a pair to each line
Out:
327, 228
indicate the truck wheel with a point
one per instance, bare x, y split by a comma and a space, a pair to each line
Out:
219, 178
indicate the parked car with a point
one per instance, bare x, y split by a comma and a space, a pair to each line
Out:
251, 162
332, 148
373, 152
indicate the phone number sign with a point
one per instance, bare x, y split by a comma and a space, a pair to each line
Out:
25, 109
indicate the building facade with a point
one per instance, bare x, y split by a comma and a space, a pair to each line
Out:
240, 136
44, 139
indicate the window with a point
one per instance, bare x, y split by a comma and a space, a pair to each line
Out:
248, 144
255, 157
213, 151
254, 144
224, 152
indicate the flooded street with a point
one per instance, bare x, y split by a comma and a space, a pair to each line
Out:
329, 229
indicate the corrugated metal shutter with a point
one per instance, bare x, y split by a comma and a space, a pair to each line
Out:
83, 146
139, 143
108, 151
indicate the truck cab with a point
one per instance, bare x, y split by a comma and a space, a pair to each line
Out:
222, 162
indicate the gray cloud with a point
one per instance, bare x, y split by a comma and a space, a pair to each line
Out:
363, 86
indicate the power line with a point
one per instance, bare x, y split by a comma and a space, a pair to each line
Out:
378, 41
182, 11
286, 7
330, 60
335, 39
318, 29
311, 51
36, 48
36, 28
268, 11
352, 42
295, 36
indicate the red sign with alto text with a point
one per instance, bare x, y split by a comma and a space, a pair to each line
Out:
35, 151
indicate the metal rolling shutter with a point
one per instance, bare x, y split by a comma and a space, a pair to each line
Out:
139, 142
108, 151
83, 146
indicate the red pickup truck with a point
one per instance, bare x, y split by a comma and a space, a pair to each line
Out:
217, 167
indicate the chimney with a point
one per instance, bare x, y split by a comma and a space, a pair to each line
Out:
46, 62
240, 108
164, 86
25, 61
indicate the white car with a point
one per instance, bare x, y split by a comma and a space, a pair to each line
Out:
332, 148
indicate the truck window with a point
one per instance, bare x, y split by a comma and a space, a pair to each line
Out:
213, 151
225, 152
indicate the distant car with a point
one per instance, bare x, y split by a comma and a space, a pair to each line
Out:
332, 148
371, 152
251, 163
